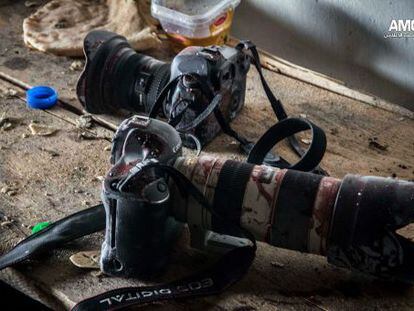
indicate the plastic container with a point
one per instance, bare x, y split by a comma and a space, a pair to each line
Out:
195, 22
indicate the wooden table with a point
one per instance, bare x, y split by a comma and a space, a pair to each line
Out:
45, 178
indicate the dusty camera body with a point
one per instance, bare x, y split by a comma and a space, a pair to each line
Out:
139, 228
223, 70
116, 77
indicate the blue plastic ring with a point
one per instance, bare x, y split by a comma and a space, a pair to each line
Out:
41, 97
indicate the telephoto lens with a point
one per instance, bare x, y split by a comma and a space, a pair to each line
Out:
354, 222
115, 76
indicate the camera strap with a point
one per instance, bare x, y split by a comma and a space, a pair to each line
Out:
259, 153
229, 269
309, 159
67, 229
212, 281
287, 128
276, 104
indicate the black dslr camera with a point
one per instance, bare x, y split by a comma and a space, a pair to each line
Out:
199, 81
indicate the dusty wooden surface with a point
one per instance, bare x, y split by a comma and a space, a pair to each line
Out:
56, 175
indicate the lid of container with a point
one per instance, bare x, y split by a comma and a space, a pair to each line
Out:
190, 12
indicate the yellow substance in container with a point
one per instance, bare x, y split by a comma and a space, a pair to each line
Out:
195, 22
219, 30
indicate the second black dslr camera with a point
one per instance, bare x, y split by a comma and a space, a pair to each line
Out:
198, 82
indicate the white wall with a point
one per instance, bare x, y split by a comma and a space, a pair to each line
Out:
343, 39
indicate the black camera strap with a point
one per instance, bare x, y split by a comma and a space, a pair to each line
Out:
287, 128
276, 104
67, 229
229, 269
211, 281
309, 158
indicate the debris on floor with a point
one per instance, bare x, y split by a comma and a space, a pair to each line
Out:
3, 118
77, 65
86, 259
277, 264
84, 121
334, 131
52, 153
30, 4
38, 129
8, 93
374, 144
5, 122
9, 190
87, 135
60, 26
6, 223
7, 126
306, 141
99, 178
313, 302
97, 273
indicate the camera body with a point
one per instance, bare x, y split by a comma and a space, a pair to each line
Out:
116, 77
139, 228
223, 70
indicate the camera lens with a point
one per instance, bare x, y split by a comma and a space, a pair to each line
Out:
116, 77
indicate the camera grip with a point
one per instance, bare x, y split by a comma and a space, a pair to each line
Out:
138, 237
